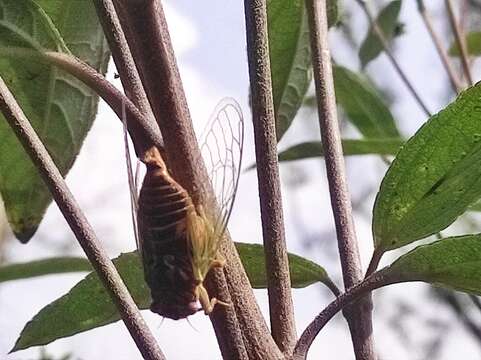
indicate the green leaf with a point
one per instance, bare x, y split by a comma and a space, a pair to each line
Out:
363, 105
303, 271
453, 262
434, 178
475, 207
290, 56
43, 267
60, 108
473, 43
312, 149
87, 305
388, 22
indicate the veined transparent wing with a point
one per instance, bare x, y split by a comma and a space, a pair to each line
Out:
132, 180
222, 147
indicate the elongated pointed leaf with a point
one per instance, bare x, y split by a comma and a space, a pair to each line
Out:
453, 262
350, 147
88, 305
59, 107
473, 43
363, 105
290, 56
434, 178
388, 22
43, 267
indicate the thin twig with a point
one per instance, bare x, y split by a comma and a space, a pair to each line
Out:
241, 330
476, 301
374, 263
391, 57
375, 281
281, 309
79, 225
123, 58
454, 80
460, 40
359, 315
143, 132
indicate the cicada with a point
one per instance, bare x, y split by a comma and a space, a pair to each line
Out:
179, 240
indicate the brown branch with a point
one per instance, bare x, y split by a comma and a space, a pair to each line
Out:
143, 132
281, 309
455, 83
358, 315
371, 283
241, 330
378, 31
123, 58
460, 40
374, 263
79, 225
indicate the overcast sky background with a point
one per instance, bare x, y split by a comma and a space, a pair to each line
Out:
209, 40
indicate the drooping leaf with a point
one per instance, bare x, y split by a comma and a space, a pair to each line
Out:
453, 262
363, 105
87, 305
434, 178
43, 267
60, 108
473, 44
290, 56
388, 22
312, 149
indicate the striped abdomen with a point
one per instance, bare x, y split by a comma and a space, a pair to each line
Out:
166, 251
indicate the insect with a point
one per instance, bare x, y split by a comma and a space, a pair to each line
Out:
179, 240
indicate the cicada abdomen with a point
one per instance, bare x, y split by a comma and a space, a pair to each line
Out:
179, 240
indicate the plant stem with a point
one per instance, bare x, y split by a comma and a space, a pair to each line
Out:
281, 308
374, 263
391, 57
143, 133
458, 33
79, 225
455, 83
123, 58
374, 281
359, 316
241, 330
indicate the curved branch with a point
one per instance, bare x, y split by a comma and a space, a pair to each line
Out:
374, 281
80, 226
122, 57
143, 132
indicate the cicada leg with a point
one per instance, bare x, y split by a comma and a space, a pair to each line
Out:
207, 303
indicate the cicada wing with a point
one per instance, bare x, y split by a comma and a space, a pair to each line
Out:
222, 148
133, 180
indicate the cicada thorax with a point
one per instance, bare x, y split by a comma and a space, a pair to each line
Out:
169, 228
